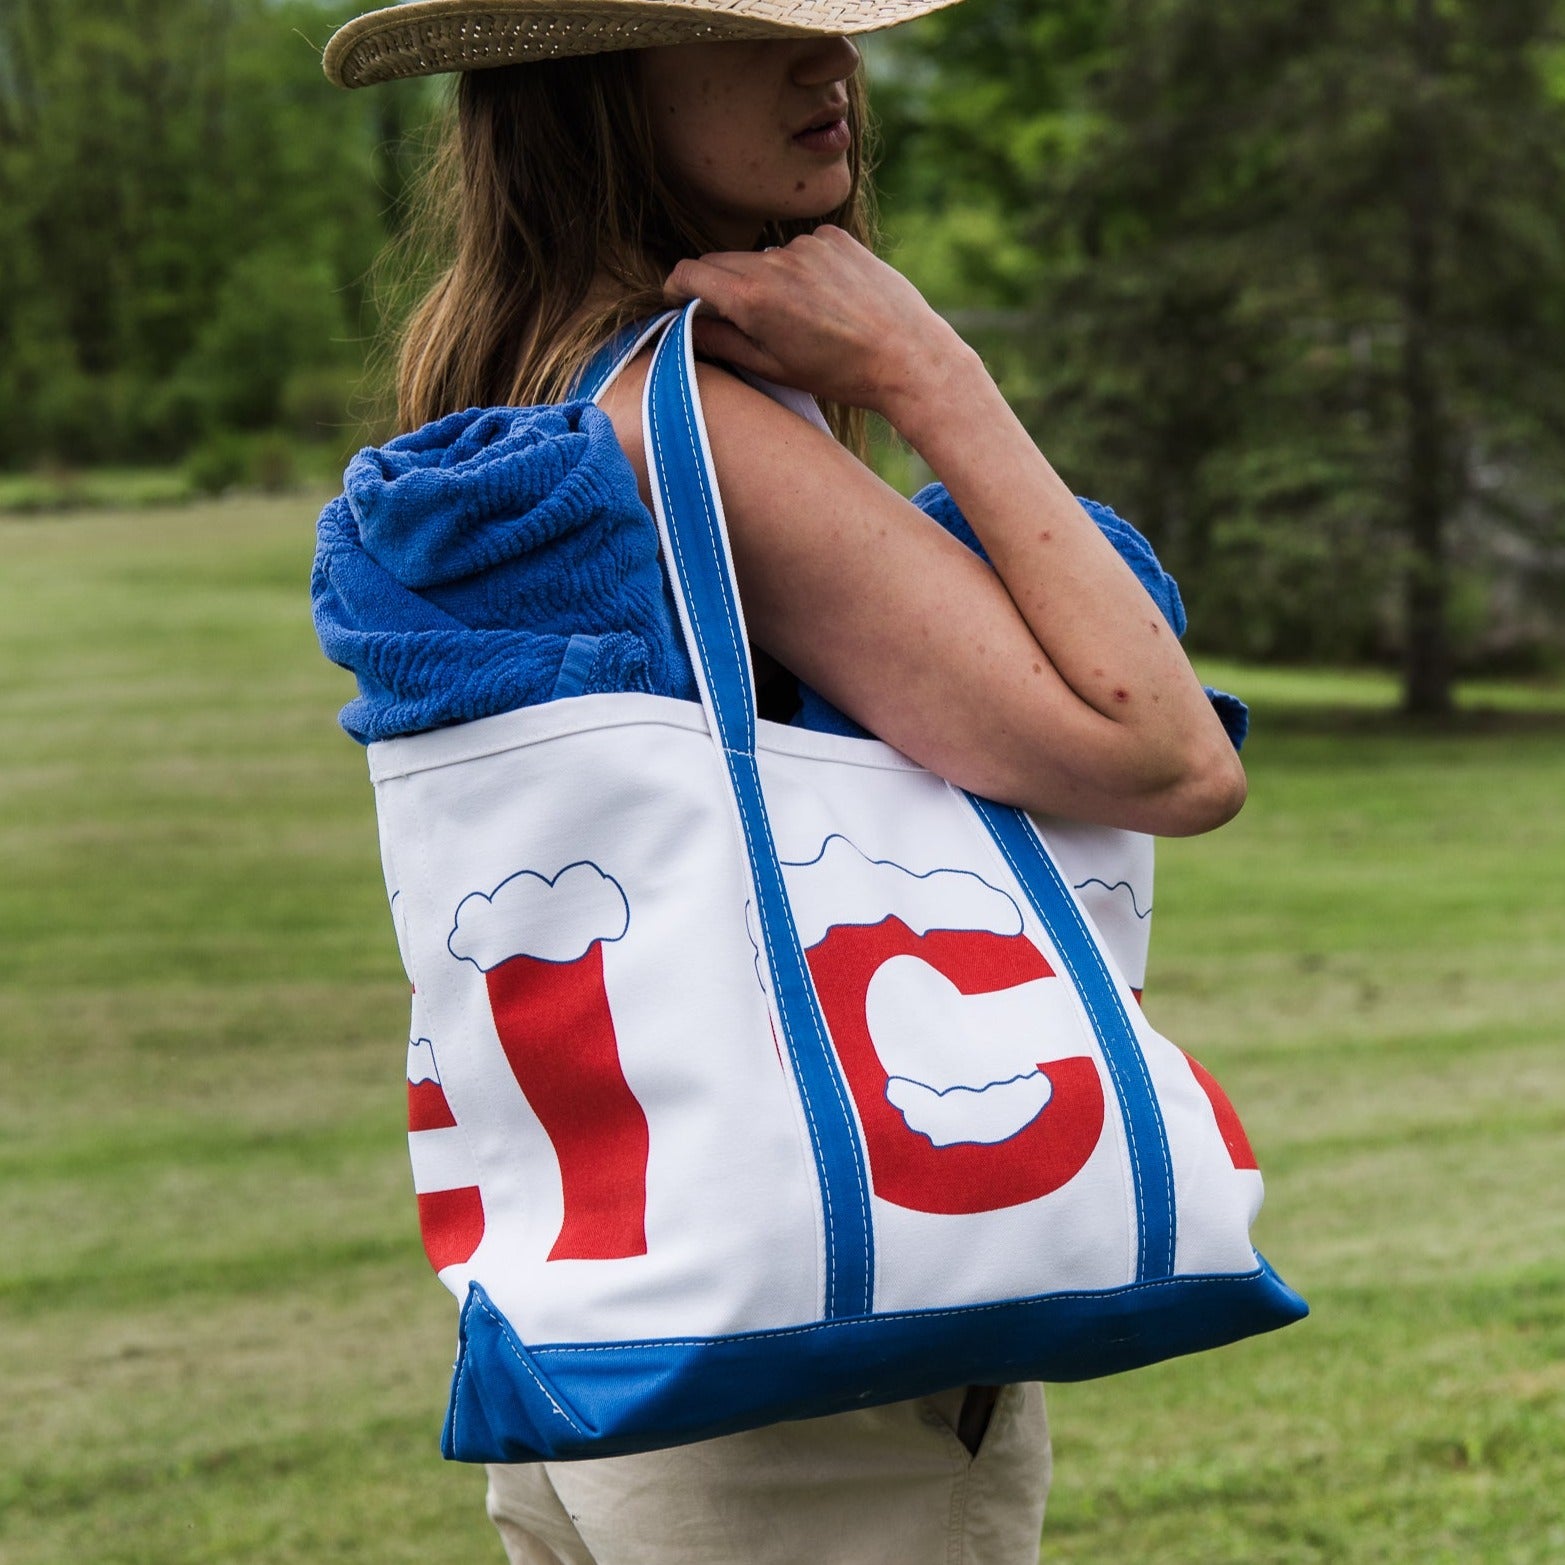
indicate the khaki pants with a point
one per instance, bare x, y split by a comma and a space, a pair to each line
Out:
885, 1486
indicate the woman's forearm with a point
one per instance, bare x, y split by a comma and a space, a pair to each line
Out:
1092, 619
1070, 690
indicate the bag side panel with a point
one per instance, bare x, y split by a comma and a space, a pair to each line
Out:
1111, 873
1217, 1182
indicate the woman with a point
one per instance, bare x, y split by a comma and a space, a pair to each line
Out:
592, 190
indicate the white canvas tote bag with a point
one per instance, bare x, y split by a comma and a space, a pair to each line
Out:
757, 1073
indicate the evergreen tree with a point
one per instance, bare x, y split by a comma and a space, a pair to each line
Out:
189, 214
1293, 288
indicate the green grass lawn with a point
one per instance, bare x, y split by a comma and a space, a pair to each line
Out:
218, 1338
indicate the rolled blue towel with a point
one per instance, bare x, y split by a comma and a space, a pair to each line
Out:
502, 557
495, 559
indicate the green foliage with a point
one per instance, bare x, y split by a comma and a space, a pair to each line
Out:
1283, 282
275, 313
266, 461
220, 463
50, 490
1296, 292
313, 401
188, 217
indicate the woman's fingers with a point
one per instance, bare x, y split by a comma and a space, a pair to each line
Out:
720, 339
821, 313
721, 283
739, 321
720, 279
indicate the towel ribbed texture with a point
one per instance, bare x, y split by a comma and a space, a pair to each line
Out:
495, 559
501, 557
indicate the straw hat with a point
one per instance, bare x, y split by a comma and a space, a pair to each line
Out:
421, 37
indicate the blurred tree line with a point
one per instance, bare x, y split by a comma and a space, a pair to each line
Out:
189, 216
1283, 280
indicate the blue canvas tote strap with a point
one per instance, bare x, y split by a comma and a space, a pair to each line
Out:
690, 517
695, 546
1152, 1169
695, 550
605, 365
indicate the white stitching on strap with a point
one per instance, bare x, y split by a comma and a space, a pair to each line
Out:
1138, 1058
754, 832
675, 544
636, 1346
505, 1337
711, 535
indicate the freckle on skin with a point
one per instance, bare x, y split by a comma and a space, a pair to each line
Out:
799, 185
1037, 668
1045, 536
1121, 695
1157, 630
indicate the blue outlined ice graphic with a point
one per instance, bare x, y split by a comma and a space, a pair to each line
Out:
983, 1115
842, 885
551, 919
1119, 885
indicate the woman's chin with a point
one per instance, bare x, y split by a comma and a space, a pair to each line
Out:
815, 198
806, 199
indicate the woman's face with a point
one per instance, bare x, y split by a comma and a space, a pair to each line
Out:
753, 132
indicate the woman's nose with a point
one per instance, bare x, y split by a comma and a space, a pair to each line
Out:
823, 60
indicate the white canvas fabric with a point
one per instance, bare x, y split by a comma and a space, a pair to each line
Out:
771, 1076
654, 929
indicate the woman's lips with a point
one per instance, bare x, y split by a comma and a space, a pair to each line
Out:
833, 138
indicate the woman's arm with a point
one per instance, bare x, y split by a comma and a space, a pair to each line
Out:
1049, 681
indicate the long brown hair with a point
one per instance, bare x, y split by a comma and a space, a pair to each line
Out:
544, 181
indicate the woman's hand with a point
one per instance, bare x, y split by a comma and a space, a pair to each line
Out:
822, 314
1046, 678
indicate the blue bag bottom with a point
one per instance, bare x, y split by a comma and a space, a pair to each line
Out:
511, 1403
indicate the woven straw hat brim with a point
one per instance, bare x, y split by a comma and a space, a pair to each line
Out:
423, 37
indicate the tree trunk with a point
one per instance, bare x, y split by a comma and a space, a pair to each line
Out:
1426, 688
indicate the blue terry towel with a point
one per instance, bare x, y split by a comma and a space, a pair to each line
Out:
501, 558
496, 559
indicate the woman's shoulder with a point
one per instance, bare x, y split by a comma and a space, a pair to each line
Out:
756, 431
